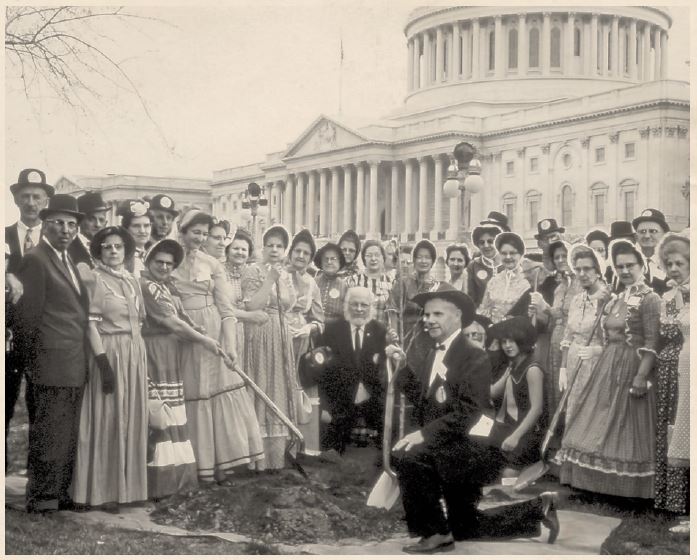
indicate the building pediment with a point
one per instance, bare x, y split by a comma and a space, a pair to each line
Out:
324, 135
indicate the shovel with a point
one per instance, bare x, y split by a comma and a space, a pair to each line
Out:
296, 434
386, 490
533, 472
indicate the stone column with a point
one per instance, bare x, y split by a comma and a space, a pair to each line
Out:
664, 55
522, 45
423, 194
335, 201
546, 42
604, 71
646, 59
300, 201
374, 226
499, 44
410, 64
289, 204
428, 71
278, 189
438, 194
323, 225
311, 190
440, 54
408, 194
475, 49
657, 53
594, 44
416, 41
466, 52
615, 47
571, 33
360, 193
632, 50
455, 53
394, 198
348, 191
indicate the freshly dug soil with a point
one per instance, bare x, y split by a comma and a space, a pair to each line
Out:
285, 508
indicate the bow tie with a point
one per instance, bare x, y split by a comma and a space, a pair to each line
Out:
439, 347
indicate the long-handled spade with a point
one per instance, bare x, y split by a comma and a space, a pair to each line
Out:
296, 435
533, 472
386, 490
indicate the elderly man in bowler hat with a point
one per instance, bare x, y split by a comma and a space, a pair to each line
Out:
162, 214
31, 194
650, 227
53, 317
449, 455
95, 210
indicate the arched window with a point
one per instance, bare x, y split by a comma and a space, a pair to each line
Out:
534, 54
567, 205
555, 48
513, 48
492, 50
577, 41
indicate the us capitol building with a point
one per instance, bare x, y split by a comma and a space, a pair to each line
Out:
568, 110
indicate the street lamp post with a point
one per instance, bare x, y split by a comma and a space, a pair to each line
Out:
252, 199
464, 179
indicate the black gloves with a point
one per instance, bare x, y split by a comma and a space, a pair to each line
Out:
108, 375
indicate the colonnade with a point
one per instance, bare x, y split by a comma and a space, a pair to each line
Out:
528, 44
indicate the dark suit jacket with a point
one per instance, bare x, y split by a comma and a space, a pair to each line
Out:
79, 253
53, 320
12, 239
345, 370
466, 387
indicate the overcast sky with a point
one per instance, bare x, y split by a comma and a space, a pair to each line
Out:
225, 86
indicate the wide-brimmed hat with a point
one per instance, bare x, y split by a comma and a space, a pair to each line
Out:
63, 203
460, 299
166, 246
329, 247
512, 239
651, 215
496, 219
598, 235
352, 236
425, 244
276, 229
304, 236
27, 178
92, 202
548, 226
99, 237
163, 202
621, 229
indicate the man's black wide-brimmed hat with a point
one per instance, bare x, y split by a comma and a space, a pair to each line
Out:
63, 203
91, 202
27, 178
460, 299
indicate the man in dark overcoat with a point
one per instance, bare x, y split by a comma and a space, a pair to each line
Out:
53, 317
96, 217
449, 456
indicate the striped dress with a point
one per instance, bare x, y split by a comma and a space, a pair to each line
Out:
171, 461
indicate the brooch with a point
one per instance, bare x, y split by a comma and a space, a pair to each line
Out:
440, 395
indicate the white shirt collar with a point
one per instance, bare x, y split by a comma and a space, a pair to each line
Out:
56, 251
85, 240
448, 341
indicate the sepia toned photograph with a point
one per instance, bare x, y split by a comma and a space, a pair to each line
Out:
347, 278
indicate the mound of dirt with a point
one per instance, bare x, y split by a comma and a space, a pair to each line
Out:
286, 508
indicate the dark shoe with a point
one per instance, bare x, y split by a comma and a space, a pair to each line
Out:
550, 500
432, 544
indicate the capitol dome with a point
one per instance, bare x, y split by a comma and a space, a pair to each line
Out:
457, 54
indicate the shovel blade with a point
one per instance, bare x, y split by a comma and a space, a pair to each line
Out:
530, 474
385, 492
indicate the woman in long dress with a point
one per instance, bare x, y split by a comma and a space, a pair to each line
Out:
167, 330
576, 353
135, 220
269, 357
110, 467
609, 444
223, 427
673, 380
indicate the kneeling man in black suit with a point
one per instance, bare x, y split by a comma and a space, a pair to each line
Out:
351, 384
450, 455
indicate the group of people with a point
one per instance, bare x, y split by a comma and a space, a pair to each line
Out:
131, 337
